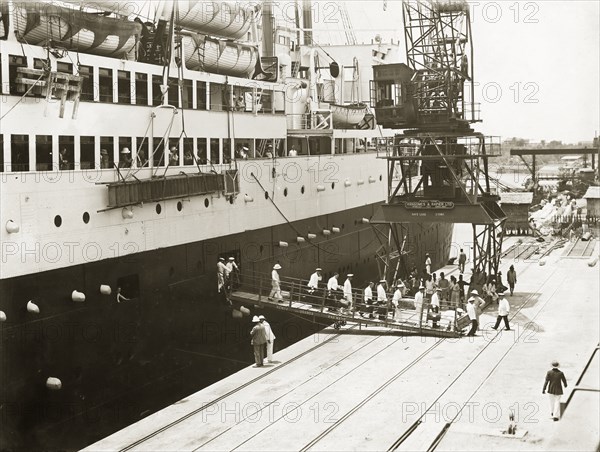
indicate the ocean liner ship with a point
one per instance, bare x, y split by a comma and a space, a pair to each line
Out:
137, 151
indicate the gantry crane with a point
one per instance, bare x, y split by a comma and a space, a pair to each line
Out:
438, 166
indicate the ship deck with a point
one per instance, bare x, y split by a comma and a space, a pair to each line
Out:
369, 390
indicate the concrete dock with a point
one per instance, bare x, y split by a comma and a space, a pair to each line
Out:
377, 390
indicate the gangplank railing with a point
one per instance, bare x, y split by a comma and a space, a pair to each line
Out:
296, 290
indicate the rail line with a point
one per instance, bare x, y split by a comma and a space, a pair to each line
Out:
227, 394
582, 248
368, 398
396, 445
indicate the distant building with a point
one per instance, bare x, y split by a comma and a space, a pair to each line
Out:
516, 206
592, 197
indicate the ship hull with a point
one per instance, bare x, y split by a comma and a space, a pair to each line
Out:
120, 361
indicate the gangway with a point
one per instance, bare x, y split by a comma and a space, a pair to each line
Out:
254, 290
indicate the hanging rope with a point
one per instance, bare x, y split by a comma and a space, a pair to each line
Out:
298, 233
23, 96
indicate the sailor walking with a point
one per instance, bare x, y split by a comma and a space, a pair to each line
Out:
222, 273
503, 310
472, 316
348, 290
275, 284
396, 300
419, 298
313, 282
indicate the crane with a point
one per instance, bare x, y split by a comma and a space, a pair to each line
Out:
438, 167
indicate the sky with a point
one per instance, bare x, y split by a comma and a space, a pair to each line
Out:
536, 63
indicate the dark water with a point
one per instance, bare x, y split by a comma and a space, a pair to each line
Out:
191, 356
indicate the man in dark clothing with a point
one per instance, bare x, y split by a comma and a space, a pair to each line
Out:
259, 339
462, 260
554, 380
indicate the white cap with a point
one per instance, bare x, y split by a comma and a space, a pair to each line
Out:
125, 151
318, 269
232, 258
261, 317
255, 319
350, 275
276, 267
474, 292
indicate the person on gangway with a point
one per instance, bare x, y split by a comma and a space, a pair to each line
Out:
334, 293
313, 282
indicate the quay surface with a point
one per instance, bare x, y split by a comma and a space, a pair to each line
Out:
377, 390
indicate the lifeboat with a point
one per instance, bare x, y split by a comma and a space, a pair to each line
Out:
218, 56
348, 116
75, 30
223, 18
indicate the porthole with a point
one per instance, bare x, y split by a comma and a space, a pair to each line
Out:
302, 189
179, 206
57, 221
206, 202
333, 185
285, 192
266, 195
86, 217
380, 178
261, 249
231, 200
343, 226
158, 209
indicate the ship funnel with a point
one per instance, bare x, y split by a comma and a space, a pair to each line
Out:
360, 182
53, 383
300, 240
365, 221
347, 183
335, 230
320, 187
32, 307
283, 244
105, 289
326, 232
371, 180
312, 236
78, 296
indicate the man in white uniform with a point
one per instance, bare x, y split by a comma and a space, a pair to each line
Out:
368, 298
275, 287
435, 304
472, 316
348, 290
503, 310
333, 291
222, 274
382, 300
419, 297
396, 300
270, 339
313, 283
